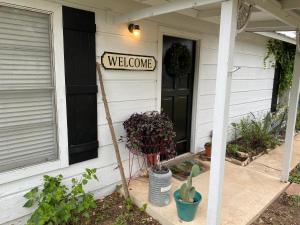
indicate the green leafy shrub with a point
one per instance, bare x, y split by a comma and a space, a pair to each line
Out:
58, 204
294, 200
284, 54
255, 135
129, 204
295, 175
232, 149
123, 218
143, 208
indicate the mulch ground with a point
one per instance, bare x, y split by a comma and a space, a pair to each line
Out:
284, 211
115, 210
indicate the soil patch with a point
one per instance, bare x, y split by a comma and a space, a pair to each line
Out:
115, 210
284, 211
181, 170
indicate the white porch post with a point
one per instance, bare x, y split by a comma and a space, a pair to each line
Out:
291, 121
223, 85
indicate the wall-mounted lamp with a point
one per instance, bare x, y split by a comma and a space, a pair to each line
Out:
134, 29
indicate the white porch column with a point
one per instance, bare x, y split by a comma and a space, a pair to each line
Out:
291, 121
223, 85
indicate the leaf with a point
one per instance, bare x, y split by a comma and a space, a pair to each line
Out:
95, 177
36, 219
84, 181
143, 208
183, 191
192, 193
88, 171
28, 195
86, 215
195, 170
29, 203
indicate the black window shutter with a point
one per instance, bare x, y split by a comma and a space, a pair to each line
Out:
81, 87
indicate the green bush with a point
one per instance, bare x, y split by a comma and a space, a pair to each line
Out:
59, 205
295, 175
232, 149
255, 135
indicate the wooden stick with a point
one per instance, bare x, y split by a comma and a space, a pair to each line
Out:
113, 134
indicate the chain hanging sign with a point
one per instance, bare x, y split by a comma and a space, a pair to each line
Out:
122, 61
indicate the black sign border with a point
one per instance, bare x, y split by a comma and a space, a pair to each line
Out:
118, 53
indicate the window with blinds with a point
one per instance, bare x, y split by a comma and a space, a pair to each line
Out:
27, 106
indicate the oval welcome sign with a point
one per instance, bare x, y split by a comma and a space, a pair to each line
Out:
122, 61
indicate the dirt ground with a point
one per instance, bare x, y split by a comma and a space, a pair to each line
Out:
115, 210
284, 211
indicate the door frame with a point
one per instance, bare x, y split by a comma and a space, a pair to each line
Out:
162, 30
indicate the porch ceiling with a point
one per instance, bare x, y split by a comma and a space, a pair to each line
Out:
267, 18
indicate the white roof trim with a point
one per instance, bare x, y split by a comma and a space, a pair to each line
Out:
157, 10
277, 11
277, 36
290, 4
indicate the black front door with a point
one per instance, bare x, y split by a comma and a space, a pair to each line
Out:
177, 87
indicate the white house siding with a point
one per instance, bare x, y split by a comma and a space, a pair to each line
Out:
130, 92
251, 88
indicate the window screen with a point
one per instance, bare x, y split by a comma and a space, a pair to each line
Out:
27, 107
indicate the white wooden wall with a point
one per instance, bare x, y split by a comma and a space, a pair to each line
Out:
251, 89
130, 92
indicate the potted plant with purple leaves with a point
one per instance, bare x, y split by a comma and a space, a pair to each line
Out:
152, 135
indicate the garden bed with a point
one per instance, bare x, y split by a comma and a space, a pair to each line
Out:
244, 161
115, 210
295, 175
181, 169
284, 211
254, 137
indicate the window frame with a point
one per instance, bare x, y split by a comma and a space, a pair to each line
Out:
54, 10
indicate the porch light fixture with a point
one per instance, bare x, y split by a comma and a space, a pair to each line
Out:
134, 29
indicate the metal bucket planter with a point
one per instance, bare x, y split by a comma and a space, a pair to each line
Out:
160, 187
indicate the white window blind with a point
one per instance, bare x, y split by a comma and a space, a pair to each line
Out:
27, 106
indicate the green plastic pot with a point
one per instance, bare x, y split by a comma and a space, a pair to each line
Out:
187, 210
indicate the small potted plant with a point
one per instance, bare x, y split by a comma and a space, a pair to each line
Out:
187, 198
152, 135
207, 146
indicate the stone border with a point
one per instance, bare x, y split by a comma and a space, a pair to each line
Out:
248, 160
